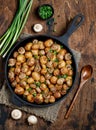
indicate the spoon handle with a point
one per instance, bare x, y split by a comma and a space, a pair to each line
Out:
73, 101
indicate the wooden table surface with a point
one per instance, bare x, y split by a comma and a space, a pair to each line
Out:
83, 116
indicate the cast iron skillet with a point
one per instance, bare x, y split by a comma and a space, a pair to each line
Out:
62, 40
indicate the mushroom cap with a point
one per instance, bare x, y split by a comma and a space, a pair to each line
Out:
32, 119
37, 27
16, 114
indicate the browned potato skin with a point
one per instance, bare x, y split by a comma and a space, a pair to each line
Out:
64, 70
17, 79
14, 83
42, 79
35, 52
43, 87
28, 54
15, 54
48, 42
22, 83
47, 49
69, 82
21, 58
35, 46
28, 46
36, 76
30, 80
56, 72
30, 98
43, 71
22, 75
47, 76
19, 90
52, 88
55, 64
17, 70
62, 52
70, 72
11, 76
52, 99
53, 79
43, 59
39, 98
61, 64
32, 85
41, 45
65, 87
58, 87
60, 81
57, 94
28, 73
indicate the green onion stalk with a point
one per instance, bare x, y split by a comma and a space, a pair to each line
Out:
12, 34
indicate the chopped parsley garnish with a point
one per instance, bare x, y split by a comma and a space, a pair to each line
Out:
61, 46
37, 84
56, 60
27, 77
55, 52
36, 56
29, 89
34, 94
50, 50
63, 76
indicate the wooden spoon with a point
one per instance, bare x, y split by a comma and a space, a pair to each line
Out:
86, 73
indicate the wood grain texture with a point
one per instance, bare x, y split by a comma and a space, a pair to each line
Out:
83, 116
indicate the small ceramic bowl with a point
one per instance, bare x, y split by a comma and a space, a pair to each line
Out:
45, 11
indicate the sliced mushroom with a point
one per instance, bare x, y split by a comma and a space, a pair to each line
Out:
68, 56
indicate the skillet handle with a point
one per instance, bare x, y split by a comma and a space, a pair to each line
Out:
76, 22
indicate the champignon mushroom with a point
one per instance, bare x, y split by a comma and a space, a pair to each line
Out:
61, 64
15, 54
21, 50
64, 70
68, 56
11, 62
49, 64
32, 120
37, 68
41, 52
16, 114
31, 61
60, 81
